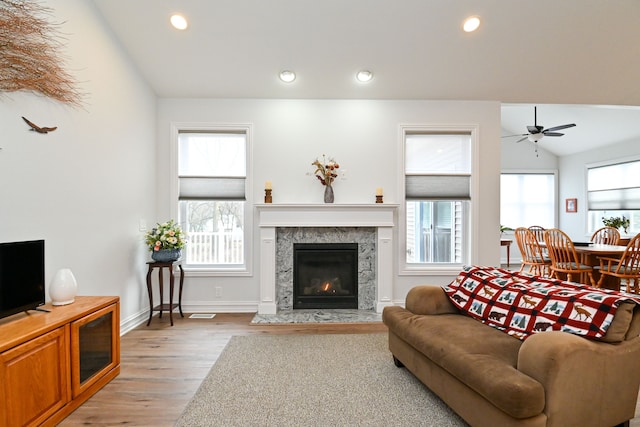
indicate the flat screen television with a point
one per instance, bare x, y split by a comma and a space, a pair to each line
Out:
21, 276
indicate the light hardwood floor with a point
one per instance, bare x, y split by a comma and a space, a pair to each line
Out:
162, 367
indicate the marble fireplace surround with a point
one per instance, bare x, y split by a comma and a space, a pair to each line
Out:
356, 220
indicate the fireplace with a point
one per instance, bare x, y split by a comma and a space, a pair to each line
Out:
368, 225
325, 275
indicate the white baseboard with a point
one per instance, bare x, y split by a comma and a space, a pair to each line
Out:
133, 321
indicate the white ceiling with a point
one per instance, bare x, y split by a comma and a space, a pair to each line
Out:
546, 52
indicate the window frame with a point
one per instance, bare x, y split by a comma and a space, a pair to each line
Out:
246, 269
470, 226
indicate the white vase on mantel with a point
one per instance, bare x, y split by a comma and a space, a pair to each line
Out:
63, 288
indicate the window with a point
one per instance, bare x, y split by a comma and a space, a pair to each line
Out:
437, 197
528, 199
212, 172
614, 191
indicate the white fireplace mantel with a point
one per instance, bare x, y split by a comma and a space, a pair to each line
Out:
272, 216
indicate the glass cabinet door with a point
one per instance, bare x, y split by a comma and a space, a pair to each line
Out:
94, 347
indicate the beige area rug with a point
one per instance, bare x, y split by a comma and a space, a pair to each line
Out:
313, 380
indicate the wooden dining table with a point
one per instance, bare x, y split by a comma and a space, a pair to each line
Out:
593, 250
589, 255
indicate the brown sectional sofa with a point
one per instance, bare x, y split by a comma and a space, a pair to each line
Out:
553, 379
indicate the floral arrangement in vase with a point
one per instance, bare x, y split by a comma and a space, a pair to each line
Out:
165, 241
326, 172
617, 222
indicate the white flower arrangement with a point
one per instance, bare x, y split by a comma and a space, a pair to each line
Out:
167, 235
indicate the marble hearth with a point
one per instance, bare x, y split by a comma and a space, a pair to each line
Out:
371, 226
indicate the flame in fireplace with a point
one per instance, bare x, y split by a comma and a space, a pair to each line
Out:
322, 286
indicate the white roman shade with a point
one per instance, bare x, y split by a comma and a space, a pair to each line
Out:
218, 188
437, 187
614, 187
438, 166
212, 165
614, 199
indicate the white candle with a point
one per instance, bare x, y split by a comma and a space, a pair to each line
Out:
379, 191
267, 185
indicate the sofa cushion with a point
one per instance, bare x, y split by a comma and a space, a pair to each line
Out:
620, 324
483, 358
522, 304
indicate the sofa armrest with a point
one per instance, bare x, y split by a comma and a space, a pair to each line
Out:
429, 299
574, 370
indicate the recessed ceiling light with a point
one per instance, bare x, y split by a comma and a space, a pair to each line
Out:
364, 76
179, 22
471, 24
287, 76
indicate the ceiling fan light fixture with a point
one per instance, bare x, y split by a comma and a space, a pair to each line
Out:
364, 76
179, 22
287, 76
471, 24
535, 137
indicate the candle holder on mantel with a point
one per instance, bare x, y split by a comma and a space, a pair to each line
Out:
267, 196
379, 199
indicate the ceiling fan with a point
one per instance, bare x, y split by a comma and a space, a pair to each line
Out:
535, 133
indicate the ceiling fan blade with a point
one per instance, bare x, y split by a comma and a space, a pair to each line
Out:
535, 129
560, 127
522, 139
552, 133
517, 134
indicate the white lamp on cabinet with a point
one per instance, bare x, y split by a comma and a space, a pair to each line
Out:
63, 287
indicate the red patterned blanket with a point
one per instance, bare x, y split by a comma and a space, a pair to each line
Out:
521, 304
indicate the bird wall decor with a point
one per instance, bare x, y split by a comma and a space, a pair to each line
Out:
36, 128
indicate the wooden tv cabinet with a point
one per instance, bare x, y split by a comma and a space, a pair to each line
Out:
50, 363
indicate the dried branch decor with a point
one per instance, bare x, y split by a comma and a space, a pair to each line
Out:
29, 53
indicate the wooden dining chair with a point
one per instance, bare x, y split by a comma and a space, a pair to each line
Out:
532, 253
606, 236
626, 267
564, 258
538, 231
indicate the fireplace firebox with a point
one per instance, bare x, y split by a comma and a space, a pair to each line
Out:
325, 275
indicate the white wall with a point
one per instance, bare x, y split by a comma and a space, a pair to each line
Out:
363, 137
84, 187
522, 156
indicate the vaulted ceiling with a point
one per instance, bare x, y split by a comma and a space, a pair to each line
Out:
554, 54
